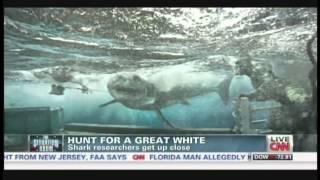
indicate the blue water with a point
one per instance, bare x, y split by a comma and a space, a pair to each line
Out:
108, 41
202, 111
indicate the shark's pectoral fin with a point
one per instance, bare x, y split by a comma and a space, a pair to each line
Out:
108, 103
184, 102
160, 115
223, 90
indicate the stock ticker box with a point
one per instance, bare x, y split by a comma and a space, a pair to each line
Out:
45, 143
278, 156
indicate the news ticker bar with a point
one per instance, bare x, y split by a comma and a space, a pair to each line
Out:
161, 143
159, 156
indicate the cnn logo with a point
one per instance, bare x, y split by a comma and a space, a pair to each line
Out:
279, 143
138, 157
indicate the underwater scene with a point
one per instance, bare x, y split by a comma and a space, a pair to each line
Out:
161, 70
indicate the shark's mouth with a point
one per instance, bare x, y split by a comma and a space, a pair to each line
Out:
129, 87
129, 92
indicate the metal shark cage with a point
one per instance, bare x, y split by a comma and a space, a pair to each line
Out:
46, 120
245, 123
22, 121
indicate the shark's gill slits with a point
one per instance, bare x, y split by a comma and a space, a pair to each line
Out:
145, 92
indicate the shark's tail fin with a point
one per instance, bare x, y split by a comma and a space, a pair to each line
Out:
223, 90
108, 103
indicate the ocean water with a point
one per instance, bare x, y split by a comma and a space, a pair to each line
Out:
164, 42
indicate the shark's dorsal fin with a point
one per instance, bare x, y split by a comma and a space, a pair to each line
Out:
108, 103
160, 115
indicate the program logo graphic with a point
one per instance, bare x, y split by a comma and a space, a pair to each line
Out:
280, 143
45, 143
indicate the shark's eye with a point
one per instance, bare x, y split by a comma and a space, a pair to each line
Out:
119, 77
135, 77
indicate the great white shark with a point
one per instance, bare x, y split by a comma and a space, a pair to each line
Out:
136, 92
